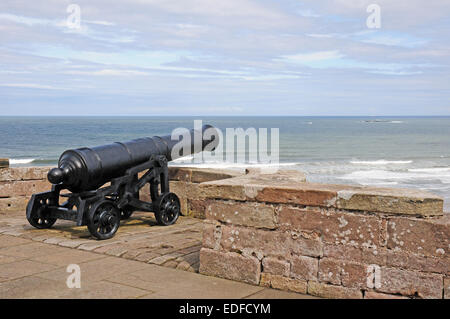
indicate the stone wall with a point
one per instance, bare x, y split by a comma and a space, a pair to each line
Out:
330, 241
17, 184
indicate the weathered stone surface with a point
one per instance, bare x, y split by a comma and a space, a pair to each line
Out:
358, 230
334, 292
447, 287
276, 266
230, 266
270, 243
260, 187
345, 273
385, 200
200, 175
283, 283
23, 188
196, 208
212, 234
429, 237
305, 196
377, 295
13, 203
305, 268
291, 189
410, 283
24, 173
357, 254
408, 260
219, 191
180, 173
179, 188
242, 213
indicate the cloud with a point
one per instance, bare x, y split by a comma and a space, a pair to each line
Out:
30, 86
308, 13
108, 72
190, 55
306, 58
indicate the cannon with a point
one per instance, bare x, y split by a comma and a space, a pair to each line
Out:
103, 182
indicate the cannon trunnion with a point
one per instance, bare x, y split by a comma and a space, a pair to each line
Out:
85, 171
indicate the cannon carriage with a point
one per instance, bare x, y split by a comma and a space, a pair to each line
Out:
127, 168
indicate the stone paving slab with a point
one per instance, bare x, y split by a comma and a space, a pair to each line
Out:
143, 260
45, 276
138, 238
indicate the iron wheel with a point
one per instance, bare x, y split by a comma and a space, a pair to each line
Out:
39, 215
104, 219
167, 209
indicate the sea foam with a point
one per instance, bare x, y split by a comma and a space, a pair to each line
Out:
381, 162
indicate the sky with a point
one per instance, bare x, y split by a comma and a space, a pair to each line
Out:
227, 57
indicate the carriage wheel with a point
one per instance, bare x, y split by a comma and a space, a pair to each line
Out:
104, 219
167, 209
39, 215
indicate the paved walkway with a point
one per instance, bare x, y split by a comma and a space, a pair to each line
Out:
133, 264
138, 238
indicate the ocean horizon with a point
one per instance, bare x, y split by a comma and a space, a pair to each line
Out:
383, 151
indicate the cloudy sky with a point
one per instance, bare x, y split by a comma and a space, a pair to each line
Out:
224, 57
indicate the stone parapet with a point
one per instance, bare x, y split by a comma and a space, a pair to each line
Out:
333, 241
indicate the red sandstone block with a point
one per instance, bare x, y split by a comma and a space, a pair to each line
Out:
272, 188
410, 283
13, 203
447, 288
305, 268
345, 273
335, 227
23, 188
428, 237
334, 292
249, 214
386, 200
230, 266
313, 196
178, 188
24, 173
201, 175
180, 174
279, 188
377, 295
410, 261
270, 243
212, 234
276, 266
283, 283
376, 256
196, 208
214, 191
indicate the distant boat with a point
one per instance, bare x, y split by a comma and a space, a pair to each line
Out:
381, 121
377, 121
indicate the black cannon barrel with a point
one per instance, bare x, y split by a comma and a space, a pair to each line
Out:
85, 169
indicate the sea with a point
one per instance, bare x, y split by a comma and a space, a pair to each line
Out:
411, 152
